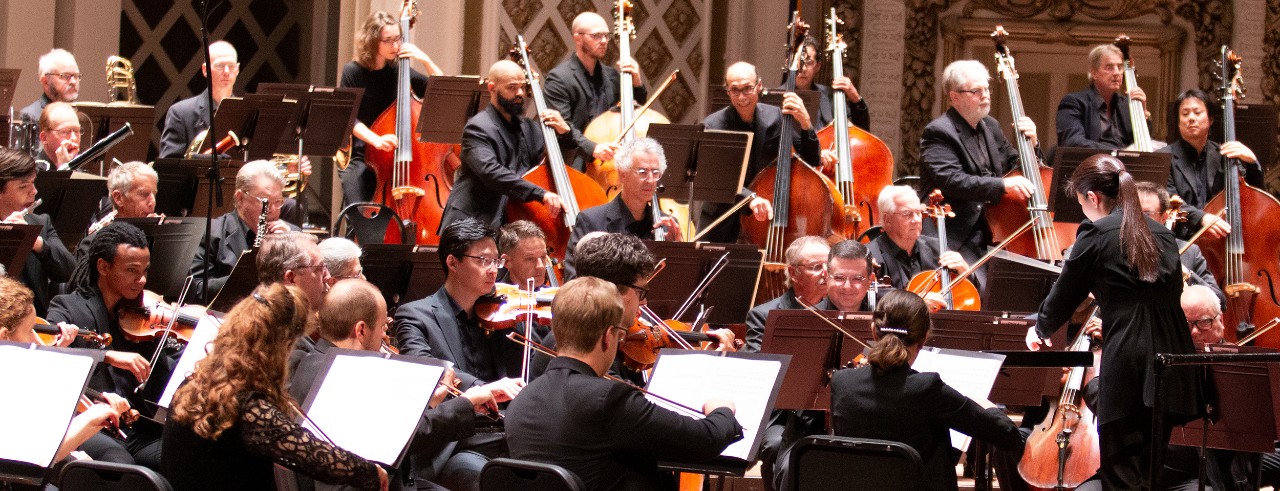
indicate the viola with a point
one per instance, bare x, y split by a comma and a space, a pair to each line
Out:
509, 306
47, 332
649, 334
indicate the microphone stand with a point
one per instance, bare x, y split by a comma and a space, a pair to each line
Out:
215, 174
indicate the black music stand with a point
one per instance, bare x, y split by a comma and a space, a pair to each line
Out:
173, 242
8, 83
71, 199
426, 274
1145, 166
240, 283
709, 166
183, 188
107, 118
16, 242
687, 262
450, 101
817, 349
388, 267
324, 120
1017, 283
1255, 125
1246, 398
262, 119
773, 97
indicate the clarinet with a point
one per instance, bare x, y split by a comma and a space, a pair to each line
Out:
262, 225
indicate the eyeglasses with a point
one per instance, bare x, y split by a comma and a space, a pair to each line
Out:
649, 174
275, 203
1204, 323
739, 91
394, 40
66, 133
598, 36
66, 77
839, 279
488, 262
977, 91
813, 268
907, 214
641, 292
226, 67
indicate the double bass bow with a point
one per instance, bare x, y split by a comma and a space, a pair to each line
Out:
1048, 238
1137, 113
576, 190
1248, 259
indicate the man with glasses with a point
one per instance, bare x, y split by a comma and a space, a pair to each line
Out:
445, 326
582, 87
900, 250
745, 113
806, 79
342, 258
236, 230
59, 81
1098, 116
1155, 204
806, 278
849, 276
965, 154
59, 135
188, 117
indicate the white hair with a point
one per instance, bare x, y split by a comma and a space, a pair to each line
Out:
338, 252
47, 60
963, 72
622, 159
248, 174
1203, 296
888, 196
122, 177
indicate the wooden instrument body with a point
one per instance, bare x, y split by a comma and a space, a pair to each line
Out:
1259, 263
437, 160
964, 294
1039, 465
872, 170
585, 189
813, 211
1011, 212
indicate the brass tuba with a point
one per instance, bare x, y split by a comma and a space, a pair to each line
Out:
121, 87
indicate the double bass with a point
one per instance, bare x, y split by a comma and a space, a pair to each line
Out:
1048, 239
1247, 259
576, 190
795, 215
864, 164
1137, 113
413, 178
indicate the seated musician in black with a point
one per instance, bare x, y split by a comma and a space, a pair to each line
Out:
901, 251
806, 278
603, 431
108, 279
294, 259
131, 193
235, 231
1155, 204
498, 147
1199, 171
523, 247
49, 262
354, 316
445, 326
745, 113
888, 400
859, 115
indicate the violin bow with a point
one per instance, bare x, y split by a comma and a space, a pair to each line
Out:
645, 108
164, 338
832, 323
1216, 218
1000, 247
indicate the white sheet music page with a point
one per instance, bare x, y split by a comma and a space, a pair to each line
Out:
970, 373
692, 378
38, 409
371, 406
198, 348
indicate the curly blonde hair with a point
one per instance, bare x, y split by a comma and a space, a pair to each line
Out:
249, 355
370, 36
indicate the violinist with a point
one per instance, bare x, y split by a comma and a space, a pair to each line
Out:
745, 113
965, 154
523, 247
112, 276
604, 432
901, 251
1199, 165
1098, 116
131, 193
354, 316
379, 45
445, 326
342, 259
498, 146
235, 231
49, 261
640, 163
859, 114
1155, 204
1130, 264
583, 86
806, 277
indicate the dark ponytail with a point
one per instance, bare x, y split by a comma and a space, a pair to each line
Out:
1107, 178
901, 320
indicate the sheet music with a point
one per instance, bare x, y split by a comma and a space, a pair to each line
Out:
390, 394
206, 330
968, 372
691, 379
38, 409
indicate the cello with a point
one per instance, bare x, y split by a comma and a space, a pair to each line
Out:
1248, 265
864, 164
938, 279
794, 214
576, 190
1137, 113
1048, 239
1062, 451
406, 173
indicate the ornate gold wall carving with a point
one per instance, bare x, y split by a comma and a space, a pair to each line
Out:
1271, 77
918, 78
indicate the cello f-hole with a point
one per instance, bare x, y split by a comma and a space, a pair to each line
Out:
435, 186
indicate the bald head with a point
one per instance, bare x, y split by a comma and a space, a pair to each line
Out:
589, 22
226, 68
590, 38
354, 310
740, 71
504, 70
1203, 311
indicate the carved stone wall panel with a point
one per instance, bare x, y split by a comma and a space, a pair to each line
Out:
850, 12
1213, 22
882, 61
1271, 78
1067, 9
918, 77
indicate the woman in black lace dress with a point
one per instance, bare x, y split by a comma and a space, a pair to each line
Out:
233, 418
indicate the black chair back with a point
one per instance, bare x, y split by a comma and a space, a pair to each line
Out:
834, 462
86, 475
367, 223
505, 474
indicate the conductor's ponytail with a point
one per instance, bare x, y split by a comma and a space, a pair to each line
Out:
901, 320
1107, 178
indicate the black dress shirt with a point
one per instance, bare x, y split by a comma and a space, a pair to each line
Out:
580, 96
437, 327
900, 265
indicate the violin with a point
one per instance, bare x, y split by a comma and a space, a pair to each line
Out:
509, 306
649, 334
46, 332
148, 319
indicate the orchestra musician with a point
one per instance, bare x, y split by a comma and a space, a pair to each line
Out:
1155, 204
891, 401
900, 250
523, 248
354, 317
498, 146
966, 155
1130, 265
602, 431
379, 45
131, 193
235, 231
806, 279
59, 135
342, 259
746, 113
849, 275
859, 114
110, 276
233, 419
49, 262
1098, 116
583, 86
445, 326
1199, 172
294, 259
188, 117
59, 82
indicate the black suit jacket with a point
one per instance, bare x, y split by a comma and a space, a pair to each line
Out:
182, 122
495, 157
1080, 123
759, 314
859, 114
1184, 171
230, 238
949, 166
430, 327
612, 217
569, 91
606, 432
45, 269
1194, 261
918, 409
